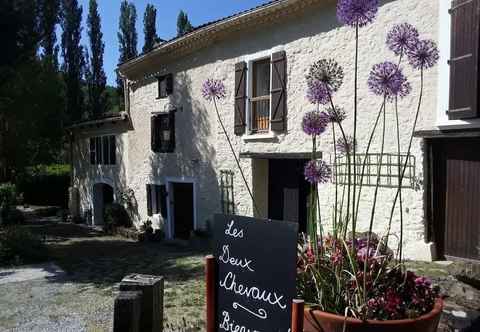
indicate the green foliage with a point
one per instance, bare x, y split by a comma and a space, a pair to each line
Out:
183, 24
13, 217
116, 216
150, 29
49, 18
8, 195
20, 246
73, 56
95, 74
54, 177
127, 39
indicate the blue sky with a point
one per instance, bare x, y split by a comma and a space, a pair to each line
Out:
199, 12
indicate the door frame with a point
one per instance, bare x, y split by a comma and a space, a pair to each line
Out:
170, 182
102, 182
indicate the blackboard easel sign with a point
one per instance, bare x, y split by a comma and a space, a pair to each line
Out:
254, 282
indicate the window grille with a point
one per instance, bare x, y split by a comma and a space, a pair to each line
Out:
226, 191
389, 170
260, 100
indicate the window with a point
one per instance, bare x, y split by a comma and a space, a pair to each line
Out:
103, 150
156, 200
163, 132
261, 103
260, 100
226, 190
165, 86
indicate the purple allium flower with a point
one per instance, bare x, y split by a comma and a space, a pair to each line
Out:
317, 93
317, 172
423, 55
327, 71
402, 38
213, 89
315, 122
357, 12
346, 146
337, 115
387, 79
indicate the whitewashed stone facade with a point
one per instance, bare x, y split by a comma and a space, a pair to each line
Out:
201, 150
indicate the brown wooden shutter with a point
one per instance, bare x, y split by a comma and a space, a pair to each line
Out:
240, 97
154, 134
279, 91
171, 127
169, 84
464, 87
149, 200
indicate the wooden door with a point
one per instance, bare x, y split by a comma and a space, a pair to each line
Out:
183, 210
456, 197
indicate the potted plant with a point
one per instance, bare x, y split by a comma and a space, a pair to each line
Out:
353, 281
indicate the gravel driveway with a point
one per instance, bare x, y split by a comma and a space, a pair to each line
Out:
81, 298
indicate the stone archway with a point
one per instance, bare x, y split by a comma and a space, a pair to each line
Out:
103, 195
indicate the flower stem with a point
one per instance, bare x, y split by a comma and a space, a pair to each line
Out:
355, 105
235, 156
400, 246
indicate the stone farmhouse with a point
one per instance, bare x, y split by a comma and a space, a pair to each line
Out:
168, 152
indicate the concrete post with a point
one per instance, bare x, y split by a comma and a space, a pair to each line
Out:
151, 318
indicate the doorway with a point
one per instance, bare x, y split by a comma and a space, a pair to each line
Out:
102, 196
456, 197
182, 203
288, 191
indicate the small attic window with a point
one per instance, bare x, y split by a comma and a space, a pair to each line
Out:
165, 86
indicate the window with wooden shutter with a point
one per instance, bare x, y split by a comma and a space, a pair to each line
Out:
260, 99
464, 61
103, 150
149, 200
163, 132
240, 98
279, 94
165, 85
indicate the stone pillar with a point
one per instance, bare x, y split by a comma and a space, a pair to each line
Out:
151, 318
127, 312
74, 201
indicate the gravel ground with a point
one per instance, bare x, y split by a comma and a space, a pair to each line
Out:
81, 299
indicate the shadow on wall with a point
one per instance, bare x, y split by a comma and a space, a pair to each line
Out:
194, 156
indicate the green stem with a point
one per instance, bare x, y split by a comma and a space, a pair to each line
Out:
354, 221
400, 247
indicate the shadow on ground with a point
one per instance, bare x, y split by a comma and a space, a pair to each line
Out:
89, 256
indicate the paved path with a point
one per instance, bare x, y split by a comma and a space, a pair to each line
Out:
48, 271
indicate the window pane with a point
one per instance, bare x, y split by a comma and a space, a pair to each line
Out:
105, 150
261, 78
162, 87
98, 150
113, 150
92, 151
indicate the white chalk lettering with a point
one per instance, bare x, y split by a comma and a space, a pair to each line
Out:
233, 232
229, 283
261, 313
227, 259
226, 325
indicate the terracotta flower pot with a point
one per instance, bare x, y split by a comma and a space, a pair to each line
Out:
319, 321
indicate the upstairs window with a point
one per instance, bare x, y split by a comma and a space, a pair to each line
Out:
165, 86
103, 150
260, 100
163, 133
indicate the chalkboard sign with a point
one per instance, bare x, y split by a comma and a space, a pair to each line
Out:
256, 262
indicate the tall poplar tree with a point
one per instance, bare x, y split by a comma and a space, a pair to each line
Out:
149, 28
49, 18
74, 62
183, 24
127, 38
95, 74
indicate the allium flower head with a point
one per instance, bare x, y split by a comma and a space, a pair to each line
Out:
402, 38
317, 93
213, 89
346, 146
317, 171
357, 12
387, 79
337, 115
315, 123
327, 71
423, 55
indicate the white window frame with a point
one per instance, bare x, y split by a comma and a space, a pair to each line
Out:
250, 59
444, 35
101, 152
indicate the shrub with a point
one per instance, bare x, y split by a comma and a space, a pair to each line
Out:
14, 217
8, 194
19, 246
116, 215
54, 177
